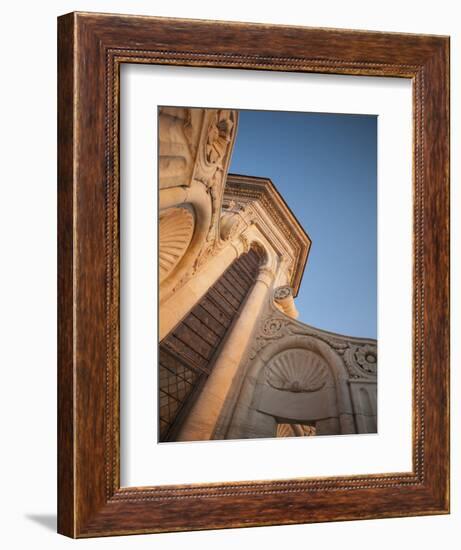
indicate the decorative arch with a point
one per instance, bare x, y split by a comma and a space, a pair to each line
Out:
291, 372
271, 329
297, 370
260, 250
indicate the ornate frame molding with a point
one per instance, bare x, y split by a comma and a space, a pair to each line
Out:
91, 49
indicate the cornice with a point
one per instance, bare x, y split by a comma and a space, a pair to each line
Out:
264, 192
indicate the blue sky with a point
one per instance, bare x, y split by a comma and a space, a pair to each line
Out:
324, 166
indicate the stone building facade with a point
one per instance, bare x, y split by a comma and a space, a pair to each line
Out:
234, 361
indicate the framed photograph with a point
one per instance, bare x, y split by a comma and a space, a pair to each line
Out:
249, 216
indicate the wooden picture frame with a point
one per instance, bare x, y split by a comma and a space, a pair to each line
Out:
92, 47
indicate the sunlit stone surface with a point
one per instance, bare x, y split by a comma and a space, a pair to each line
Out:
234, 360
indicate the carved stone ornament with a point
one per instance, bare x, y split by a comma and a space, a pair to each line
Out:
272, 327
283, 297
282, 292
219, 136
297, 370
367, 358
210, 250
361, 361
231, 225
215, 148
295, 430
176, 147
176, 228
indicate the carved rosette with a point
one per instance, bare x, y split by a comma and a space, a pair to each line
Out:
176, 227
362, 361
210, 250
297, 370
272, 327
215, 150
367, 358
285, 430
219, 136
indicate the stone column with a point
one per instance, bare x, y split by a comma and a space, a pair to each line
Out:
202, 419
173, 310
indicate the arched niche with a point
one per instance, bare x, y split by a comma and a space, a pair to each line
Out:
193, 214
261, 246
296, 386
295, 379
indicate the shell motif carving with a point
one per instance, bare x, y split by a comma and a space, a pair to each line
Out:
283, 292
231, 225
176, 228
297, 370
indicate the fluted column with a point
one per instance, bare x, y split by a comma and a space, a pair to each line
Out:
202, 419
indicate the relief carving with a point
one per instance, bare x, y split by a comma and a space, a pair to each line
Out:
272, 328
194, 153
176, 227
283, 296
176, 147
361, 361
295, 430
297, 370
366, 357
231, 225
283, 292
213, 154
219, 136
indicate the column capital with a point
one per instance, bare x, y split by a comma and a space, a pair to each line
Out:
266, 275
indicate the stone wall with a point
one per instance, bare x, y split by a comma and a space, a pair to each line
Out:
294, 373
